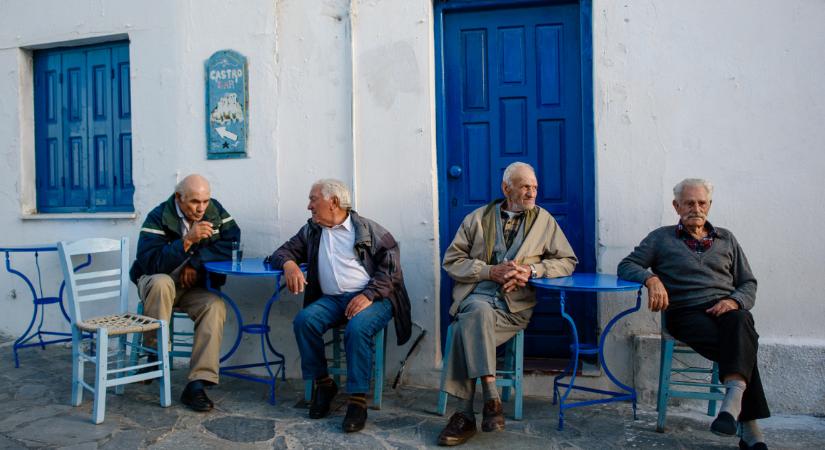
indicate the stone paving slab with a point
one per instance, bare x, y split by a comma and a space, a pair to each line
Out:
36, 414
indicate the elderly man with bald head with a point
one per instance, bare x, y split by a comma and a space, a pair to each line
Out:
495, 252
176, 239
699, 276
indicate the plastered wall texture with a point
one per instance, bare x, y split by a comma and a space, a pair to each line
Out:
731, 92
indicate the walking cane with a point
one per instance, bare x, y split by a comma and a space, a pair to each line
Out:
404, 361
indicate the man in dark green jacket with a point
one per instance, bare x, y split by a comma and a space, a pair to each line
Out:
176, 239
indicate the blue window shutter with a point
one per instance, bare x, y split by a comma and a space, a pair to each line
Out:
49, 146
75, 131
99, 118
124, 189
83, 129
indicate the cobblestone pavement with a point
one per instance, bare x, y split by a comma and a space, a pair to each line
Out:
36, 414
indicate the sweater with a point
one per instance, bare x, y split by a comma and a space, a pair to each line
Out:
691, 278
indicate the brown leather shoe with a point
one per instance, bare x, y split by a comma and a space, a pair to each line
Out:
493, 416
458, 430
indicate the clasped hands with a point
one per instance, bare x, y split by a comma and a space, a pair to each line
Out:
510, 275
296, 282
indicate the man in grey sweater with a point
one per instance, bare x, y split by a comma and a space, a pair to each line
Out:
700, 277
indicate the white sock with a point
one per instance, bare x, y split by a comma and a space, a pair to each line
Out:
751, 433
732, 403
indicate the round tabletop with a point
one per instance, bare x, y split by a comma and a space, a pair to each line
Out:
250, 267
586, 282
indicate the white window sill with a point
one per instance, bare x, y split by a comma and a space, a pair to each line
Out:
80, 216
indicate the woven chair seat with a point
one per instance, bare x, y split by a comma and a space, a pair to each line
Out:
120, 323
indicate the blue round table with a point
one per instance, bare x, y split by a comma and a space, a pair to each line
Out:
589, 282
252, 267
39, 300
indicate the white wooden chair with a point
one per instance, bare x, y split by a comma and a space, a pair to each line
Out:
99, 284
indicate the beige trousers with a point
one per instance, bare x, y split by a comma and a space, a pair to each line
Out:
160, 296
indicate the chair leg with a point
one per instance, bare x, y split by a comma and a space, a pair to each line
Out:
77, 367
509, 366
519, 377
664, 382
163, 357
121, 361
442, 396
137, 343
380, 353
102, 348
714, 378
308, 390
337, 341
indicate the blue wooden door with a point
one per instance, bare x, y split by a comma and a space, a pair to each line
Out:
512, 91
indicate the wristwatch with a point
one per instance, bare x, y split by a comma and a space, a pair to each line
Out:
533, 273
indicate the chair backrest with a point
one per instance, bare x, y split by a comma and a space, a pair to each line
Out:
98, 284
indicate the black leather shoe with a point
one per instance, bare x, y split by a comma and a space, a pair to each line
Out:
321, 399
460, 428
757, 446
355, 419
194, 396
724, 424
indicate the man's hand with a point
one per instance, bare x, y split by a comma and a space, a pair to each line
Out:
723, 306
295, 280
198, 232
358, 303
188, 277
519, 279
657, 299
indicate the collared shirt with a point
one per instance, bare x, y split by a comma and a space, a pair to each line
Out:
697, 245
510, 222
339, 270
184, 222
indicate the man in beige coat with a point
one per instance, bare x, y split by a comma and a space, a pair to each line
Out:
495, 252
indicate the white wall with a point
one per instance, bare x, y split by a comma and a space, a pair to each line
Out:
732, 92
300, 57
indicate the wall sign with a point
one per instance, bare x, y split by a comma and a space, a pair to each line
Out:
227, 105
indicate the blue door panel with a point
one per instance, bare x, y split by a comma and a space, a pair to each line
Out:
512, 91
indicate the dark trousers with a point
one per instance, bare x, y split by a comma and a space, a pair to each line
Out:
731, 341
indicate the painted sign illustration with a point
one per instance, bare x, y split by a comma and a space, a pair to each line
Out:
227, 109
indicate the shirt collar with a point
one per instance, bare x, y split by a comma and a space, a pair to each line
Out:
180, 213
346, 224
682, 232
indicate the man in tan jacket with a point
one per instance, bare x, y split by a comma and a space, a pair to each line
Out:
495, 252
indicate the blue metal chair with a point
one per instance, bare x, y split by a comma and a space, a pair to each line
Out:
511, 376
111, 284
337, 365
686, 386
180, 346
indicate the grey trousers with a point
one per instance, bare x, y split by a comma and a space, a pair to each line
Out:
481, 324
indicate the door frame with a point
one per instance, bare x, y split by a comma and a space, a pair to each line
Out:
587, 259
